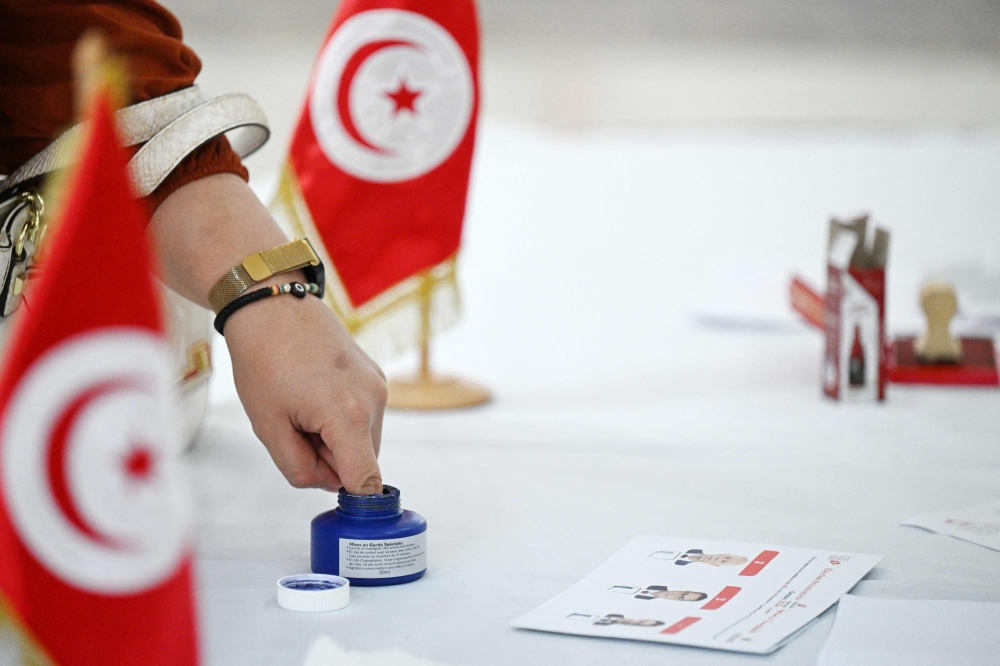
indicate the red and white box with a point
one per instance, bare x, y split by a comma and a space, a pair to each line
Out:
855, 363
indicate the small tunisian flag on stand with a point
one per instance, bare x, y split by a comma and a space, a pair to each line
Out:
95, 561
378, 170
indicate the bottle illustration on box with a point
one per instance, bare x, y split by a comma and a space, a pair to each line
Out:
856, 362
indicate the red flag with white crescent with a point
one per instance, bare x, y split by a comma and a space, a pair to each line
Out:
95, 556
378, 169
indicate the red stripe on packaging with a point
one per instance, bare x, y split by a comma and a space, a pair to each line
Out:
807, 302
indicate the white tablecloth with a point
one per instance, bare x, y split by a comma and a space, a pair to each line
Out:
617, 414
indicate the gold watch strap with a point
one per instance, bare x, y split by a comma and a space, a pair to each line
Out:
260, 266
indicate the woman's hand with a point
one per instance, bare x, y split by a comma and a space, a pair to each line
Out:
314, 398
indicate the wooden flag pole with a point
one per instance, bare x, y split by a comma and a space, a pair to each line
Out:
425, 328
427, 390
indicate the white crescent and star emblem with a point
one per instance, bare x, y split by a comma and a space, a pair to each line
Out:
392, 97
87, 462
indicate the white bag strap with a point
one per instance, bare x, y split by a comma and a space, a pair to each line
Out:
172, 127
167, 148
137, 124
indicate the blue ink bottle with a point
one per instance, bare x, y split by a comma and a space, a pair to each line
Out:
370, 540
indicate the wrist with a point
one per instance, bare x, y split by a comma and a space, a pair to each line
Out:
295, 289
205, 228
248, 321
261, 267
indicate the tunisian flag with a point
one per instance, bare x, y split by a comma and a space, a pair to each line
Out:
378, 170
95, 559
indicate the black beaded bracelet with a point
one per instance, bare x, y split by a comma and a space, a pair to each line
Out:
296, 289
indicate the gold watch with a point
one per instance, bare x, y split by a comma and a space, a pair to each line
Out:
259, 266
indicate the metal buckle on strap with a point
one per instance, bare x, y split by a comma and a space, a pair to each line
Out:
22, 225
34, 227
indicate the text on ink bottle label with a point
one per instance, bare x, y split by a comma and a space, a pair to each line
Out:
383, 558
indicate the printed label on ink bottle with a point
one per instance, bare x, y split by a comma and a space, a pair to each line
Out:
383, 558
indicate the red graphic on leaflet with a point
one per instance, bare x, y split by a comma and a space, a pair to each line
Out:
759, 563
678, 627
721, 598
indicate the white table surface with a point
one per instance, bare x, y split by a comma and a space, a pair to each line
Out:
617, 414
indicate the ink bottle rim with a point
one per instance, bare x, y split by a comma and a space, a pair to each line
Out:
386, 504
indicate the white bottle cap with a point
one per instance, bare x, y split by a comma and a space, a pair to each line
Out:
313, 593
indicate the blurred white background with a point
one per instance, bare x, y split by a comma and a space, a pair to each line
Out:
571, 63
672, 146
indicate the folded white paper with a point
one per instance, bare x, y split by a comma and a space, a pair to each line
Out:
976, 524
735, 596
891, 632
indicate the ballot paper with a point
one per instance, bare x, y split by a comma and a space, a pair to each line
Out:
726, 595
890, 632
976, 524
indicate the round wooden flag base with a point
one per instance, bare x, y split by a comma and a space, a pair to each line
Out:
428, 391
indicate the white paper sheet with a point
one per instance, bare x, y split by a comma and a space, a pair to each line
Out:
891, 632
978, 524
743, 597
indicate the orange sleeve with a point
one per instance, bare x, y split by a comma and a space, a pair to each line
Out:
37, 38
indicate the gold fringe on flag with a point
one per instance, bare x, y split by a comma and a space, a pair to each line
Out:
394, 321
